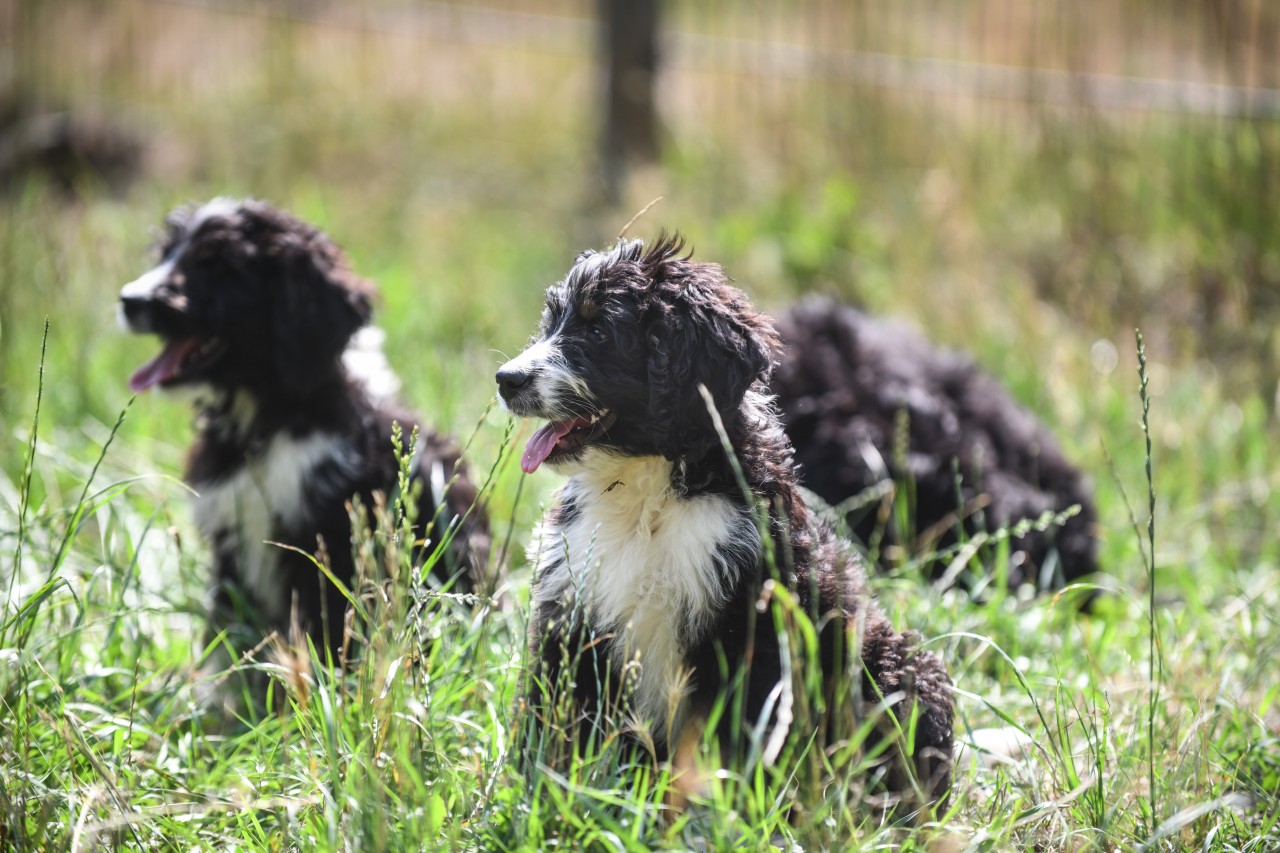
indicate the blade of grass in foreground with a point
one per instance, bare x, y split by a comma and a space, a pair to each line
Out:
79, 511
24, 490
1154, 668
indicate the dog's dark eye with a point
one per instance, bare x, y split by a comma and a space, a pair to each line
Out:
597, 334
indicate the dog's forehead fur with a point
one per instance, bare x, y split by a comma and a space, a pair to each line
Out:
183, 224
197, 237
630, 275
248, 226
583, 290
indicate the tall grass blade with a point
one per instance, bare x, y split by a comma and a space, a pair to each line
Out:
78, 512
24, 490
1154, 668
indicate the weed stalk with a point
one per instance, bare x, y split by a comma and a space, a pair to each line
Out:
1154, 670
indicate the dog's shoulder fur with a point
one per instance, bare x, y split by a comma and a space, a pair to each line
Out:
654, 564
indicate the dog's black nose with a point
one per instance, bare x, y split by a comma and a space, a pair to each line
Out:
510, 381
135, 313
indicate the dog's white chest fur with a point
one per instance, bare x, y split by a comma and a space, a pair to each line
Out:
645, 563
266, 495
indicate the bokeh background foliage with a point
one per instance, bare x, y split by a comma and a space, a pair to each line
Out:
1026, 181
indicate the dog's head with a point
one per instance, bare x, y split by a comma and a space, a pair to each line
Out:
245, 296
626, 340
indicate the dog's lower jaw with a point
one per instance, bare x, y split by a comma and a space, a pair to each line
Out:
591, 460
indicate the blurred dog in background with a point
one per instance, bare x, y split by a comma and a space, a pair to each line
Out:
263, 323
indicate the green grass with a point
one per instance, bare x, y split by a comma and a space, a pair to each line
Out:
1035, 244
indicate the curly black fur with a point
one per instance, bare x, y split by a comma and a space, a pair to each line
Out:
627, 338
256, 310
843, 383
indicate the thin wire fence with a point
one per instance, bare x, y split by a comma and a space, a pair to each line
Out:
1216, 58
1184, 96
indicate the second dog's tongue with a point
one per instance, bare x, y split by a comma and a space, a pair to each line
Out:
162, 366
543, 442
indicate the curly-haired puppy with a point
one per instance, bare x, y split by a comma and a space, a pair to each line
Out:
256, 312
844, 384
652, 574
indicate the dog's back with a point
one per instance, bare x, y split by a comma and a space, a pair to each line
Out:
843, 384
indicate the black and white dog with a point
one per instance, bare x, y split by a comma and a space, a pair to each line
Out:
652, 573
261, 322
843, 384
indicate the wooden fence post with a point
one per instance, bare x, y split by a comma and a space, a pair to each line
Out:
629, 58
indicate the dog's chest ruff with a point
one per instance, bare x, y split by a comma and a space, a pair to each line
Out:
262, 500
648, 566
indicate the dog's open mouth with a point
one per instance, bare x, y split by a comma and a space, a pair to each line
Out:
561, 437
180, 359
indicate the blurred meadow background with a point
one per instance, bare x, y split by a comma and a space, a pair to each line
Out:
1026, 181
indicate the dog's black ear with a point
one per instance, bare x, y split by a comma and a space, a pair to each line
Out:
319, 305
703, 332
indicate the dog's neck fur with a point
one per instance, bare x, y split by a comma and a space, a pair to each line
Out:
250, 416
238, 424
762, 453
647, 564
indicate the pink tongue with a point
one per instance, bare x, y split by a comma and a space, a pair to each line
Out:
543, 442
163, 366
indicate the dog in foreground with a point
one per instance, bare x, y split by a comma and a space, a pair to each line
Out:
842, 385
656, 564
263, 323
